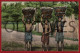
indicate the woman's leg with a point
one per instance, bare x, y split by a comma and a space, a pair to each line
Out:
47, 44
30, 45
43, 45
57, 45
26, 43
62, 45
43, 42
47, 47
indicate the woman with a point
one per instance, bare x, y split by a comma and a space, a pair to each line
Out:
59, 37
28, 32
45, 35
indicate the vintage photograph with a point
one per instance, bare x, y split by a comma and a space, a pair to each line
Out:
39, 26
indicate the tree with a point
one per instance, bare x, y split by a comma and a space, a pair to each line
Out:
5, 16
69, 11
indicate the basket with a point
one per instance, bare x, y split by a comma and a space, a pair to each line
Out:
28, 12
59, 11
46, 12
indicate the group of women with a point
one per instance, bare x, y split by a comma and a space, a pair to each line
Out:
59, 37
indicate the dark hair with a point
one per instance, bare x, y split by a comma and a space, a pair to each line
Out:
59, 17
45, 20
28, 19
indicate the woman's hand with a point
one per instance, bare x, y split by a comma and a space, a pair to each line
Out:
54, 34
46, 32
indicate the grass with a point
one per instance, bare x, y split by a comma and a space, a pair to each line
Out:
71, 39
11, 44
6, 46
15, 46
73, 47
36, 33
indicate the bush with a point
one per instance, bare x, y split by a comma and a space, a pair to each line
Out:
69, 11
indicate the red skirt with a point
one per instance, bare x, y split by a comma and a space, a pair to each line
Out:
45, 38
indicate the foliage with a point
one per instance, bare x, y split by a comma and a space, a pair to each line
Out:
8, 11
69, 11
11, 12
75, 6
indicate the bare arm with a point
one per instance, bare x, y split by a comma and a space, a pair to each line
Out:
33, 20
23, 20
55, 30
49, 28
41, 20
64, 20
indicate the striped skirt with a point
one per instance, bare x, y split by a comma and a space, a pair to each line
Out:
59, 36
28, 36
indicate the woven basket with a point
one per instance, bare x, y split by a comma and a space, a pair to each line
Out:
28, 12
59, 11
46, 12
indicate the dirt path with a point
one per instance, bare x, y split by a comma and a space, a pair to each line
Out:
19, 37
